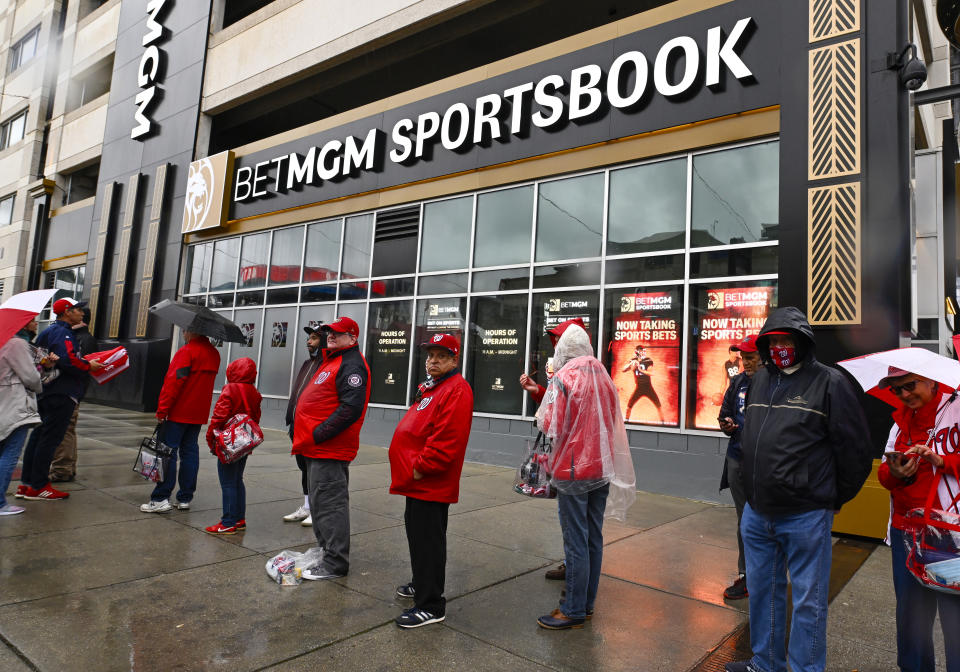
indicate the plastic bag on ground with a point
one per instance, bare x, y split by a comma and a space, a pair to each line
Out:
286, 568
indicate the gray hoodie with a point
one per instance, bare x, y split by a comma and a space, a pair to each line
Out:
19, 385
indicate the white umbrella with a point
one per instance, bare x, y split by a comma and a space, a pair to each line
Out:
19, 309
869, 370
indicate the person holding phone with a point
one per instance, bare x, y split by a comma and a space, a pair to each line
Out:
914, 451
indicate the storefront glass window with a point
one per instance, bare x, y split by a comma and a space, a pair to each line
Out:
450, 283
198, 268
223, 348
445, 243
501, 280
250, 321
736, 195
311, 316
435, 316
276, 351
566, 275
322, 257
356, 246
549, 310
253, 260
504, 221
570, 218
648, 208
721, 315
389, 351
358, 313
498, 339
225, 255
286, 255
642, 329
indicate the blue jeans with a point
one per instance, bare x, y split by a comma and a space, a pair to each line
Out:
581, 521
9, 454
917, 608
234, 493
774, 544
183, 439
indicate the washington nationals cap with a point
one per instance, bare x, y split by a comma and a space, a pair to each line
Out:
60, 306
343, 325
749, 344
446, 341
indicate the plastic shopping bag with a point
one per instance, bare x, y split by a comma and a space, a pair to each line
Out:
532, 478
237, 439
286, 568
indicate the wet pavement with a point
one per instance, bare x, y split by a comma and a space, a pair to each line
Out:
91, 583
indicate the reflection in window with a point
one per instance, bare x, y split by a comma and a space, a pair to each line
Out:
322, 258
358, 313
501, 280
198, 267
389, 351
435, 316
567, 275
451, 283
498, 340
276, 354
570, 218
225, 256
253, 260
6, 210
504, 220
645, 269
736, 195
285, 256
223, 347
648, 208
356, 246
549, 310
446, 234
743, 261
721, 316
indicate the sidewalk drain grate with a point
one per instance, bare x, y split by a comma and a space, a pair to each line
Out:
848, 556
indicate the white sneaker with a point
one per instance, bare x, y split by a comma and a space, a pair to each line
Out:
299, 514
10, 510
156, 507
307, 522
183, 506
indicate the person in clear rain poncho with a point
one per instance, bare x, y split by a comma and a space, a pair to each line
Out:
590, 466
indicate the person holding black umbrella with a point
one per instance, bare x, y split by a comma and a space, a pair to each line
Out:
183, 407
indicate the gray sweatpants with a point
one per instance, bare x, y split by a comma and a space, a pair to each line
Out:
327, 482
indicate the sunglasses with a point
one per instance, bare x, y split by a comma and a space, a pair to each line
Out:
906, 387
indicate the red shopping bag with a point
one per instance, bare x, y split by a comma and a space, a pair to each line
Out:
114, 361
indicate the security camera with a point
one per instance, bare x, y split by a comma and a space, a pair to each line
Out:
911, 71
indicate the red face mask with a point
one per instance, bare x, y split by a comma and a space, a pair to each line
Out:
783, 355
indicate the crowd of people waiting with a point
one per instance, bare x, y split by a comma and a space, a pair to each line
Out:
799, 449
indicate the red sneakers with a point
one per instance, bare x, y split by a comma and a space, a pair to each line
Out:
241, 524
47, 492
21, 491
220, 528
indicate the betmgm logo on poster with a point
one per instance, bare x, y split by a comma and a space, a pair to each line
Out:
204, 206
715, 301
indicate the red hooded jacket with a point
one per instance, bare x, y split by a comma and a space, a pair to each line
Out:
238, 396
432, 438
332, 406
188, 387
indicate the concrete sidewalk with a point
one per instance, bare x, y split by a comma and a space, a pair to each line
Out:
91, 583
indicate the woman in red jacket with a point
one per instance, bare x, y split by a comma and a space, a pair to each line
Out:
238, 396
426, 458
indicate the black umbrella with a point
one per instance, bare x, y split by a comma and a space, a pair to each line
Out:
199, 320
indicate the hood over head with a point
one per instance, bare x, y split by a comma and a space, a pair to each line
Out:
558, 330
793, 321
573, 342
242, 370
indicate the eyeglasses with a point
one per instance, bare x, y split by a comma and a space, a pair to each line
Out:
906, 387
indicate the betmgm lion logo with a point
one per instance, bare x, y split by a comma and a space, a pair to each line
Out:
715, 300
626, 304
204, 206
434, 310
552, 306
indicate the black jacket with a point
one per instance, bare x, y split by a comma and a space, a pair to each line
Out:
805, 440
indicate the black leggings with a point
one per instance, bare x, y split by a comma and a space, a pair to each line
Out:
302, 466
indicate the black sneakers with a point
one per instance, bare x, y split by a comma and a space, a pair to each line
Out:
406, 590
414, 618
738, 590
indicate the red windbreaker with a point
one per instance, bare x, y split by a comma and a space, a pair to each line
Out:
188, 387
332, 406
238, 396
432, 438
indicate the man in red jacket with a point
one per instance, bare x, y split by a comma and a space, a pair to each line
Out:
326, 431
183, 407
426, 458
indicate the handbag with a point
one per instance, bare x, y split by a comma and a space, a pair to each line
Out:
932, 538
533, 479
239, 436
153, 458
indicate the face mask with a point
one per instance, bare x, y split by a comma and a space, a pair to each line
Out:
783, 355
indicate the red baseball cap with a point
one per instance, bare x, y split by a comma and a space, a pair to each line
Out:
60, 306
446, 341
343, 325
749, 344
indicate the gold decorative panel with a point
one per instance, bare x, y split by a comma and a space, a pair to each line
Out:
834, 95
126, 239
830, 18
833, 249
153, 240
